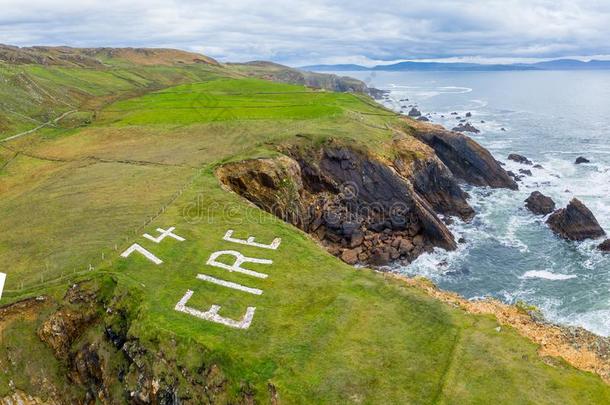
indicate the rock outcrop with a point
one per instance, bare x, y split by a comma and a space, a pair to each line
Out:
274, 185
604, 246
467, 127
526, 172
466, 159
65, 325
579, 160
110, 366
539, 203
575, 222
356, 205
520, 159
431, 178
414, 112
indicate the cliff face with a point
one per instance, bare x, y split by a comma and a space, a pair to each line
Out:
466, 159
358, 207
88, 332
366, 208
431, 178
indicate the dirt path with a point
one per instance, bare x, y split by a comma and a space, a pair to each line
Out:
53, 121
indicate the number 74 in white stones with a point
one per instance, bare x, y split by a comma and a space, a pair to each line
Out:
164, 234
137, 248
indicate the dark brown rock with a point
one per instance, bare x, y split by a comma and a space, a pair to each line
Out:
526, 172
353, 202
433, 181
575, 222
464, 157
467, 127
350, 256
605, 246
414, 112
357, 239
540, 204
520, 159
65, 325
380, 258
405, 246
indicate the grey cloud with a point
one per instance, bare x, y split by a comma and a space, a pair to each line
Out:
319, 30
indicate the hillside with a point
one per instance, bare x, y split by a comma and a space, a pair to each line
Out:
166, 156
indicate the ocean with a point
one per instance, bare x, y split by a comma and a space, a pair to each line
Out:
551, 117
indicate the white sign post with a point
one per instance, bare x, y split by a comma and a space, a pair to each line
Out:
2, 280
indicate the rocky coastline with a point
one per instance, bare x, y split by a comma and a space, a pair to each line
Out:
366, 207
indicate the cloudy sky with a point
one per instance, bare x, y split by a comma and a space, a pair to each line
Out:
321, 31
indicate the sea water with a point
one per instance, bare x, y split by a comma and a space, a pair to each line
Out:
509, 253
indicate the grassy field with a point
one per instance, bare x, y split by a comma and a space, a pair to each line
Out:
323, 332
32, 94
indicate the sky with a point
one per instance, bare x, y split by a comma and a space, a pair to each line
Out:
322, 31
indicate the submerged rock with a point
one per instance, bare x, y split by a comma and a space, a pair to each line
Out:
514, 175
605, 246
466, 159
575, 222
520, 159
526, 172
540, 204
581, 159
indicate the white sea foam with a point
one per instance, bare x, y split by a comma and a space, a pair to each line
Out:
510, 253
429, 91
547, 275
597, 321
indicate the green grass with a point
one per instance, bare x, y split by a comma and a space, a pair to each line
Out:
323, 332
226, 100
34, 94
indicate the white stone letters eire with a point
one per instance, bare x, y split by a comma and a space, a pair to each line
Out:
137, 248
250, 241
239, 260
212, 313
164, 234
229, 284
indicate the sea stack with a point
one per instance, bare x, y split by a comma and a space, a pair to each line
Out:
575, 222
